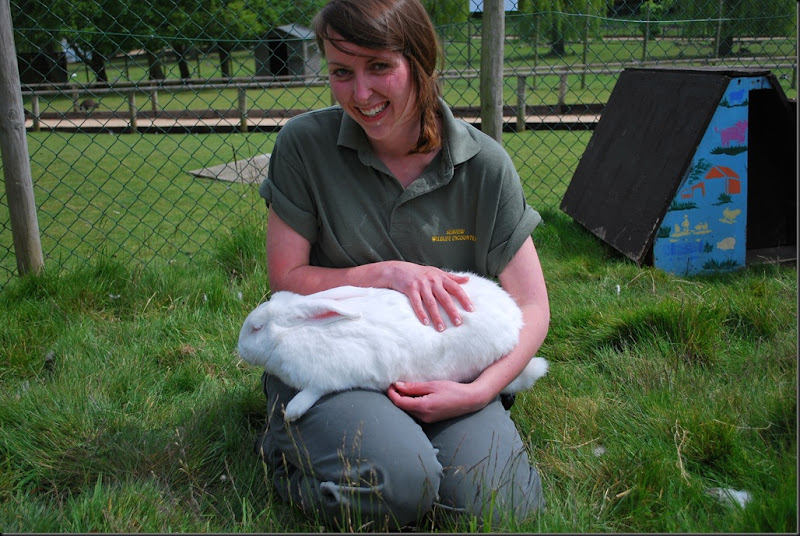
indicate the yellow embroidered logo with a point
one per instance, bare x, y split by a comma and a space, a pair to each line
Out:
454, 235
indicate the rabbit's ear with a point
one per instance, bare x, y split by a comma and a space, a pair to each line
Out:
313, 311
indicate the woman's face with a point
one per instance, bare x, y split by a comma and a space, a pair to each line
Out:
376, 89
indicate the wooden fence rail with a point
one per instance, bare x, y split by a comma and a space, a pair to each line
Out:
243, 85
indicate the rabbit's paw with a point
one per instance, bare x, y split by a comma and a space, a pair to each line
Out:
301, 403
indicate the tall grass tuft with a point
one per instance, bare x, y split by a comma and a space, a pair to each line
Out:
680, 330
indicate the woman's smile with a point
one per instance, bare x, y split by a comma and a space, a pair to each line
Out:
373, 112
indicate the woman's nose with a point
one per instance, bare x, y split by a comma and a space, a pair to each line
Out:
362, 88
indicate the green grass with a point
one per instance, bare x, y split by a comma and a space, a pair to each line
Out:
124, 408
132, 196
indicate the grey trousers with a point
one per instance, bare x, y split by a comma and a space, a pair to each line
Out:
355, 460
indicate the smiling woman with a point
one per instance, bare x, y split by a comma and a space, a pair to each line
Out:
388, 190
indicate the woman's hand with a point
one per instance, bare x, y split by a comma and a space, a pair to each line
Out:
437, 400
427, 288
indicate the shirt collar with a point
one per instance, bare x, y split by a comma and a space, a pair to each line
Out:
458, 145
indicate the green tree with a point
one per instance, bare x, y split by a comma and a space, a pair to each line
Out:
230, 24
725, 20
38, 25
97, 30
447, 15
559, 21
653, 11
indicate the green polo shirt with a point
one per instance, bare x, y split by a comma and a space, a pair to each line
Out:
467, 210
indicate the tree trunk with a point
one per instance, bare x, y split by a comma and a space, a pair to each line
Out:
726, 45
97, 63
558, 48
224, 60
154, 66
183, 65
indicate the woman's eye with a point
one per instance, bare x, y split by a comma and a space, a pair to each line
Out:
340, 73
380, 66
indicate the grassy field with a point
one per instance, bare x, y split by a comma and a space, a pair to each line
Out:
132, 196
124, 407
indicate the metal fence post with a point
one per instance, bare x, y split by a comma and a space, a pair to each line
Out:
522, 108
586, 43
646, 35
14, 150
492, 41
719, 29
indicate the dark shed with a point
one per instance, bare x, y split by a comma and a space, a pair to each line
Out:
288, 50
691, 169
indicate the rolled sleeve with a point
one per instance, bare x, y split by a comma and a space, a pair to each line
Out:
515, 222
502, 253
286, 192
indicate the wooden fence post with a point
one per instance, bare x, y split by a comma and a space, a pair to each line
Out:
492, 41
14, 151
35, 113
242, 109
535, 48
75, 96
132, 111
563, 84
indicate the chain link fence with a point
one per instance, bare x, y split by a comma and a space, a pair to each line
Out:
149, 123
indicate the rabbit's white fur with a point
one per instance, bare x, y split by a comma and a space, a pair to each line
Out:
355, 337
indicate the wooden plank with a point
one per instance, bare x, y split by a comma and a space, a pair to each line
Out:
248, 170
491, 81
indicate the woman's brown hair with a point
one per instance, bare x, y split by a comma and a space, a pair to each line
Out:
398, 25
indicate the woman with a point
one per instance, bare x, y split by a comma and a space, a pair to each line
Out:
389, 190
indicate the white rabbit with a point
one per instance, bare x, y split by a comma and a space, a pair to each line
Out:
354, 337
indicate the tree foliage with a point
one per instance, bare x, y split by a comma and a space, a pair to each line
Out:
559, 21
447, 14
736, 18
97, 30
38, 25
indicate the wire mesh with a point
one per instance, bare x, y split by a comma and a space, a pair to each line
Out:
132, 107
